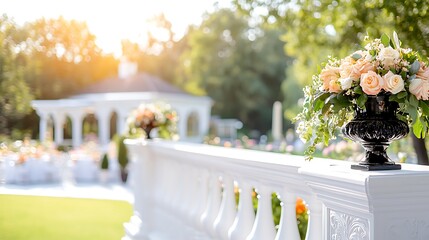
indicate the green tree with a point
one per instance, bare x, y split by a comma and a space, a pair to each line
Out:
160, 54
64, 58
14, 91
239, 65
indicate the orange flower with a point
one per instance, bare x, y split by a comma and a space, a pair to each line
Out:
300, 206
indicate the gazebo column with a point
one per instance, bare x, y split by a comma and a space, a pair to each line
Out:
77, 118
121, 121
43, 124
183, 114
103, 116
59, 119
203, 122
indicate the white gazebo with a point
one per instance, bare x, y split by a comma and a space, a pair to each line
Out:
120, 96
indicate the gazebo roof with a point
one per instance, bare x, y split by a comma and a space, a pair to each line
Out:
141, 82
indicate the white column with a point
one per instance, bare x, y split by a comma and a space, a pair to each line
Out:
121, 121
103, 117
59, 119
77, 118
277, 126
42, 126
203, 122
143, 187
183, 122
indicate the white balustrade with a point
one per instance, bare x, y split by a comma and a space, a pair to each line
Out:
186, 191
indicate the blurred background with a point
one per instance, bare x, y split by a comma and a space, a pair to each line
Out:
245, 55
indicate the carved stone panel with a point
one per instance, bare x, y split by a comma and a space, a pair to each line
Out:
347, 227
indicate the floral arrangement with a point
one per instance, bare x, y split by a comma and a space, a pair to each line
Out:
382, 67
153, 115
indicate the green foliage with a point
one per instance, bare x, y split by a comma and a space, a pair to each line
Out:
122, 153
105, 162
14, 91
239, 65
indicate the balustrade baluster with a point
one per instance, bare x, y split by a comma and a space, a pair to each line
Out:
245, 218
315, 226
288, 228
213, 204
180, 188
193, 196
263, 228
201, 198
227, 211
185, 193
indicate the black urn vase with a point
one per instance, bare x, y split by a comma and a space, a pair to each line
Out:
375, 127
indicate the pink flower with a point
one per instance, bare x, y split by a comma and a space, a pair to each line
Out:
371, 83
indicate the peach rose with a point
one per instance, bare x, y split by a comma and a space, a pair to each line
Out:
371, 83
328, 74
362, 66
420, 88
393, 83
423, 72
387, 56
346, 69
334, 86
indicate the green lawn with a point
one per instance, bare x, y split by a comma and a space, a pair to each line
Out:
46, 218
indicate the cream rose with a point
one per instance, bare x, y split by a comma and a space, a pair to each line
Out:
328, 74
393, 83
420, 88
388, 55
371, 83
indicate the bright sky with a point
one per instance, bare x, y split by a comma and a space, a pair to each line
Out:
112, 20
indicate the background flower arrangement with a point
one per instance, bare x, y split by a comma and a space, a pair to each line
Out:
342, 86
153, 115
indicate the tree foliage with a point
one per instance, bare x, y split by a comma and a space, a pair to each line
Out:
14, 91
64, 58
316, 29
238, 65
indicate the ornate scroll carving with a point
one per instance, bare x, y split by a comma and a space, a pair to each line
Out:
347, 227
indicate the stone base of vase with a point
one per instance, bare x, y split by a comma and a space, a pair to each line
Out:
376, 167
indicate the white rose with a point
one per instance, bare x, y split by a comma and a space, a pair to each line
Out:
346, 83
393, 83
388, 55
